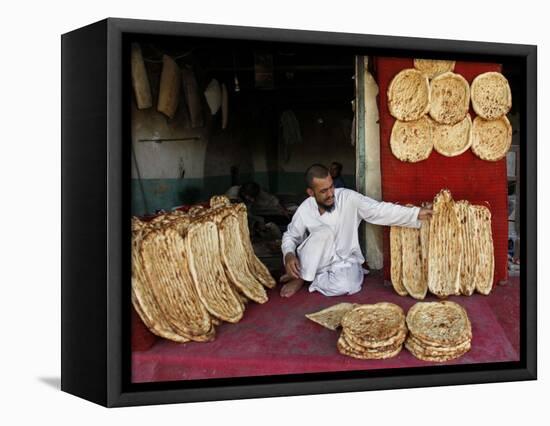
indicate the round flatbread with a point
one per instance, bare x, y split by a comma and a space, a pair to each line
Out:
451, 140
374, 322
491, 95
411, 141
409, 95
433, 67
450, 98
344, 349
439, 323
491, 139
426, 355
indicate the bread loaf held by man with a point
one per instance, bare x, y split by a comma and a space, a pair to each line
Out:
321, 244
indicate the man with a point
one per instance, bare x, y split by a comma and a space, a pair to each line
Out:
265, 211
336, 174
321, 244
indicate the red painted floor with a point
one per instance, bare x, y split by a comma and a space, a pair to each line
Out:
276, 338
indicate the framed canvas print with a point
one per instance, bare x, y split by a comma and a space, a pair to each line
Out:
254, 212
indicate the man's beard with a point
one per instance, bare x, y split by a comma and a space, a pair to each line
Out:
327, 208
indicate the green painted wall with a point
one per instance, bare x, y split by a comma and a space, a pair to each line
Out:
168, 193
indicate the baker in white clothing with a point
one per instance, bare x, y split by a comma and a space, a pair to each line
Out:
321, 244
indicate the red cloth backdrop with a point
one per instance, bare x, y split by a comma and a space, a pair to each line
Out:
467, 177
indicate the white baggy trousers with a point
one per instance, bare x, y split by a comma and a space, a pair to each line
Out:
328, 273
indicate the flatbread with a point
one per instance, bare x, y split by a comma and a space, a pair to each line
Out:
396, 260
217, 201
491, 95
356, 347
450, 98
331, 317
234, 255
344, 349
443, 323
409, 95
445, 248
433, 67
164, 259
440, 349
397, 338
411, 141
491, 139
426, 355
470, 247
142, 295
485, 265
413, 277
424, 247
374, 322
451, 140
213, 288
256, 266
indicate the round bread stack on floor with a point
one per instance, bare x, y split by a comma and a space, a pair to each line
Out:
438, 331
373, 331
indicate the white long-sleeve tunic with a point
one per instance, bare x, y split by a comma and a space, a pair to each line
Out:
342, 249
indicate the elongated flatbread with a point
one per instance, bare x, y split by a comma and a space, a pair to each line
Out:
424, 247
142, 295
445, 248
491, 95
451, 140
213, 288
409, 95
484, 272
450, 98
470, 247
331, 317
412, 141
396, 259
256, 266
234, 255
164, 258
413, 277
491, 139
433, 67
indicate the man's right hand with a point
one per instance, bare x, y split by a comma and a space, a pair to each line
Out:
292, 265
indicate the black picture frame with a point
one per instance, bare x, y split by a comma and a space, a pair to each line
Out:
95, 353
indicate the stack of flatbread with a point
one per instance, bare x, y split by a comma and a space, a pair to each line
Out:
191, 271
430, 103
438, 331
451, 254
374, 331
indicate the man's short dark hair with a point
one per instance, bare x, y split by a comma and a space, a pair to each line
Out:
315, 171
250, 189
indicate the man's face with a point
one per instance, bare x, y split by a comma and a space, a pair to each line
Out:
334, 171
323, 191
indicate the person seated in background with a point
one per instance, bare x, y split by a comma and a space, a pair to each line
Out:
336, 174
264, 210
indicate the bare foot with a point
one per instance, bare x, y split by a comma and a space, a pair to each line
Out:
285, 278
291, 287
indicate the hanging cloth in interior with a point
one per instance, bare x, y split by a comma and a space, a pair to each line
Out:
289, 132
